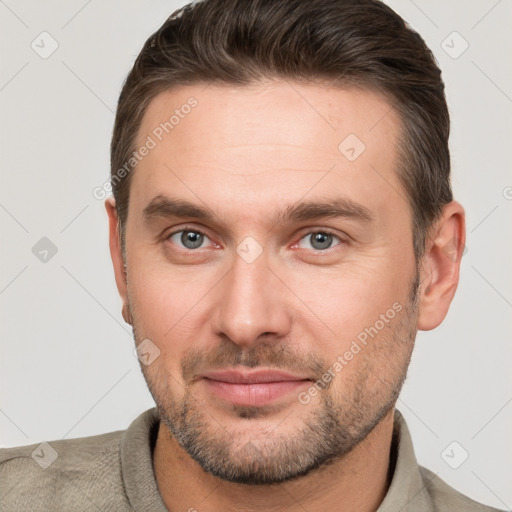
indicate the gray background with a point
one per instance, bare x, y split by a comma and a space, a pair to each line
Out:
67, 367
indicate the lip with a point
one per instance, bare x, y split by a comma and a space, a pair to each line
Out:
252, 377
253, 388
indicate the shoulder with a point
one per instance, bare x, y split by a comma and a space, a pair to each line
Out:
446, 498
63, 474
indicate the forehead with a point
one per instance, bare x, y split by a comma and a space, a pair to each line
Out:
236, 114
268, 142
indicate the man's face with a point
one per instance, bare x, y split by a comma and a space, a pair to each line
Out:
285, 246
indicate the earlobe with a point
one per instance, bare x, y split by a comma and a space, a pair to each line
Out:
117, 258
440, 266
127, 315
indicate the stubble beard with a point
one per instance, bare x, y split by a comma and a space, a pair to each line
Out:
333, 427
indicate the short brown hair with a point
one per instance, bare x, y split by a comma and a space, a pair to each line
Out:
341, 42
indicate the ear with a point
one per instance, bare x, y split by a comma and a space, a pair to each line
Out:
117, 257
440, 265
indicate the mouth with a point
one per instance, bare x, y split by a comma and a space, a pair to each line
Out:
253, 388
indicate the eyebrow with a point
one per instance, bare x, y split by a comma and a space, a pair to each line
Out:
162, 207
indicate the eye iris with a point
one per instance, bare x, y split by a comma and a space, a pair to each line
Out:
321, 240
191, 239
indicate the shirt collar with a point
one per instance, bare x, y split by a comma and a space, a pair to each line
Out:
407, 491
137, 445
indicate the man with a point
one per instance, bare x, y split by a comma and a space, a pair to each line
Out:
282, 225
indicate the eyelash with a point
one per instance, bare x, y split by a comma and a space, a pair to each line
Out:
185, 229
309, 233
325, 232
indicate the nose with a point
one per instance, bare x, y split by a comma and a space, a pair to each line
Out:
251, 302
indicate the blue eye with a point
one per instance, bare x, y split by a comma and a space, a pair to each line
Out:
189, 239
319, 241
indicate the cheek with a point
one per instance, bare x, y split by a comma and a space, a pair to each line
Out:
167, 308
339, 304
165, 289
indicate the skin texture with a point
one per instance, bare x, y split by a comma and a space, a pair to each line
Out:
246, 154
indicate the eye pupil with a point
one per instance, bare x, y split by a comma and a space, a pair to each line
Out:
321, 240
191, 239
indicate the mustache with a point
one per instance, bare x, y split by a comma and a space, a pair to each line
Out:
271, 355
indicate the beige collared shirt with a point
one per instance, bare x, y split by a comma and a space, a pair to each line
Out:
114, 472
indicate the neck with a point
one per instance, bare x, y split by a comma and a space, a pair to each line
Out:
357, 481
